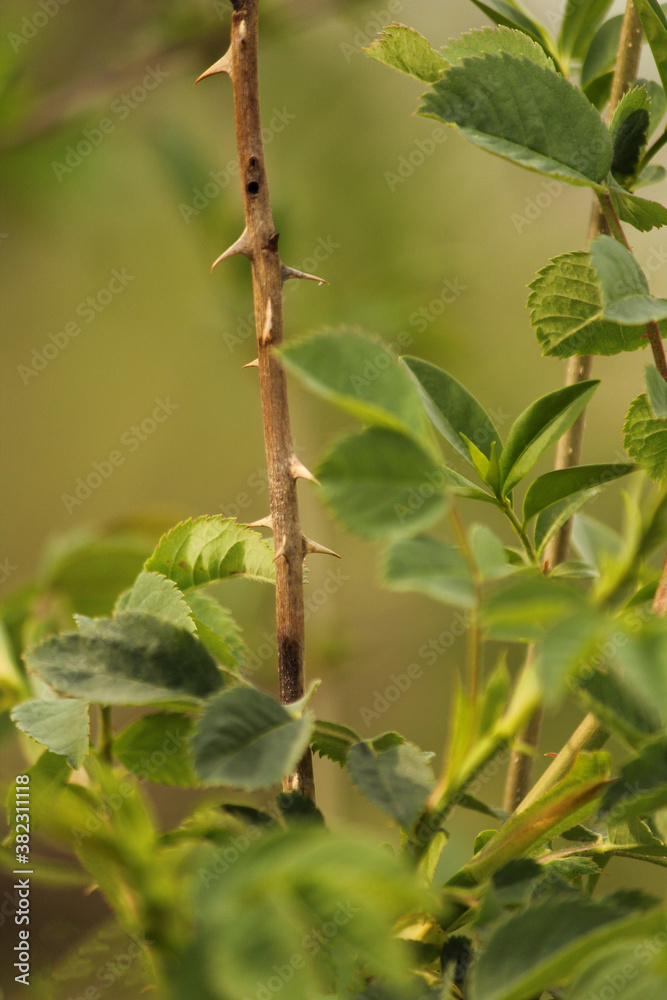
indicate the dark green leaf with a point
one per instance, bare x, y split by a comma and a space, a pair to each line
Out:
406, 50
645, 437
639, 212
641, 787
555, 486
133, 660
654, 24
629, 130
581, 20
156, 748
510, 14
525, 113
398, 780
207, 549
540, 426
382, 484
59, 724
247, 739
453, 411
360, 374
430, 567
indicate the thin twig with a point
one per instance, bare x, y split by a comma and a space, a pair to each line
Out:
259, 242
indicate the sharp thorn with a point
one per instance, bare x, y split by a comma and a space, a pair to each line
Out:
252, 364
291, 272
242, 245
223, 65
299, 471
282, 550
268, 324
312, 548
264, 522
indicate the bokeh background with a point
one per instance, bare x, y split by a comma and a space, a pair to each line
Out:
416, 232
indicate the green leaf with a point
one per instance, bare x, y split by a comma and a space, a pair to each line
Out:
156, 748
398, 780
382, 484
486, 468
334, 741
430, 567
597, 544
652, 174
495, 697
645, 437
626, 963
654, 24
489, 552
154, 594
525, 113
459, 486
59, 724
581, 20
613, 700
554, 486
485, 41
629, 129
625, 293
407, 51
361, 375
656, 387
550, 520
567, 312
509, 14
641, 787
540, 426
520, 608
599, 62
217, 629
453, 411
658, 102
198, 552
642, 663
638, 212
134, 660
548, 942
566, 649
247, 739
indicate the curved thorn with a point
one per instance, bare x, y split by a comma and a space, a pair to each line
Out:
264, 522
291, 272
252, 364
268, 323
242, 245
223, 65
299, 471
311, 548
282, 550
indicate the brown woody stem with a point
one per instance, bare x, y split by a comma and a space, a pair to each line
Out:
260, 243
579, 369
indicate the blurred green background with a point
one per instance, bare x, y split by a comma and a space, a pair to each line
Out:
113, 162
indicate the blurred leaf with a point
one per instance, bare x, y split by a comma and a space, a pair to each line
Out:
625, 292
406, 50
493, 101
552, 518
398, 780
59, 724
645, 437
382, 484
489, 552
567, 648
567, 312
613, 700
509, 14
133, 660
656, 387
626, 963
217, 629
599, 62
198, 552
596, 542
581, 20
153, 594
540, 426
555, 486
522, 607
654, 24
658, 102
629, 130
641, 787
453, 411
361, 375
247, 739
548, 942
494, 699
156, 748
13, 685
430, 567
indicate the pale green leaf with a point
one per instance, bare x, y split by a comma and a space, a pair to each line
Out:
156, 748
625, 293
656, 386
432, 567
217, 629
154, 594
645, 437
485, 41
59, 724
406, 50
398, 780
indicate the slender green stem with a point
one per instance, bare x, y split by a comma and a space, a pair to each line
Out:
518, 527
106, 734
474, 636
650, 152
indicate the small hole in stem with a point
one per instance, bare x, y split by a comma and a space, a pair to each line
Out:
253, 187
